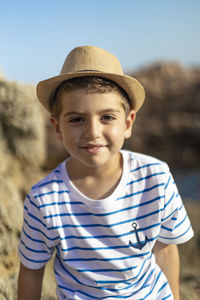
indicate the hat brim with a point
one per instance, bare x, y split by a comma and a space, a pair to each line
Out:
135, 91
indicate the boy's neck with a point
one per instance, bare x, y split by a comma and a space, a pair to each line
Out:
77, 171
96, 183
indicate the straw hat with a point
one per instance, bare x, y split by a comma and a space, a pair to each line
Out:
92, 61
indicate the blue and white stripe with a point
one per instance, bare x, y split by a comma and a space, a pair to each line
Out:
94, 258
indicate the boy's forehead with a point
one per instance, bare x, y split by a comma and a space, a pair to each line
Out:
79, 97
83, 93
89, 90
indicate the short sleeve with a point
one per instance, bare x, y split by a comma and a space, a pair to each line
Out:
175, 224
35, 246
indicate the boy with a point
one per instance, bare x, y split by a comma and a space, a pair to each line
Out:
113, 217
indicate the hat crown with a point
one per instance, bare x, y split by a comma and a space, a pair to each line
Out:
92, 61
90, 58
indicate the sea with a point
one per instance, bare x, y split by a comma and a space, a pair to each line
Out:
188, 183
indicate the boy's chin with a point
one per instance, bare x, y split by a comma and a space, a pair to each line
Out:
94, 161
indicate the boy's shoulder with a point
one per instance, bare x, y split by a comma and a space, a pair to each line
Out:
142, 162
52, 181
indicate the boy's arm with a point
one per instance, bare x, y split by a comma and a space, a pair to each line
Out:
167, 257
30, 283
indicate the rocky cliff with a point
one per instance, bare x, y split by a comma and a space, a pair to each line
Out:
168, 127
22, 152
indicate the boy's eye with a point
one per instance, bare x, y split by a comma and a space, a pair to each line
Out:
108, 118
76, 120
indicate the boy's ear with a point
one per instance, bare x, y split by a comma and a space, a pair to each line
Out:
129, 123
56, 126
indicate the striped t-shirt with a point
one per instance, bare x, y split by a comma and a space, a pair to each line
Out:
104, 247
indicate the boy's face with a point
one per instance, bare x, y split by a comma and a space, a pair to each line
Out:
93, 126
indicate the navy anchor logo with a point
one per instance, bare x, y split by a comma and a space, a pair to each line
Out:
139, 244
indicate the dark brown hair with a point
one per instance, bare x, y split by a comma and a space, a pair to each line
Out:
90, 83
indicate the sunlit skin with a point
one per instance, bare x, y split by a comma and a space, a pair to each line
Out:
93, 127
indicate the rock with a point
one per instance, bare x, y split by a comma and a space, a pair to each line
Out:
168, 125
22, 129
22, 153
10, 210
8, 287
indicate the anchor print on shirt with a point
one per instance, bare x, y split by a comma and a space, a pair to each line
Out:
139, 244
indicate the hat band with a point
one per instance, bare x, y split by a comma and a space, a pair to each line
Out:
88, 71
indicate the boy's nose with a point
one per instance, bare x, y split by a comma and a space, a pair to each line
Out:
92, 129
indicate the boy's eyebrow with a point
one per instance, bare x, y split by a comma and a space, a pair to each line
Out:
70, 113
110, 110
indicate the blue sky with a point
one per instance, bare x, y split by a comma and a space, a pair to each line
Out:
37, 35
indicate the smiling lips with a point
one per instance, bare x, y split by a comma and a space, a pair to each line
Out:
92, 148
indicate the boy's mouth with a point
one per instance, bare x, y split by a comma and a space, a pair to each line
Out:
92, 148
